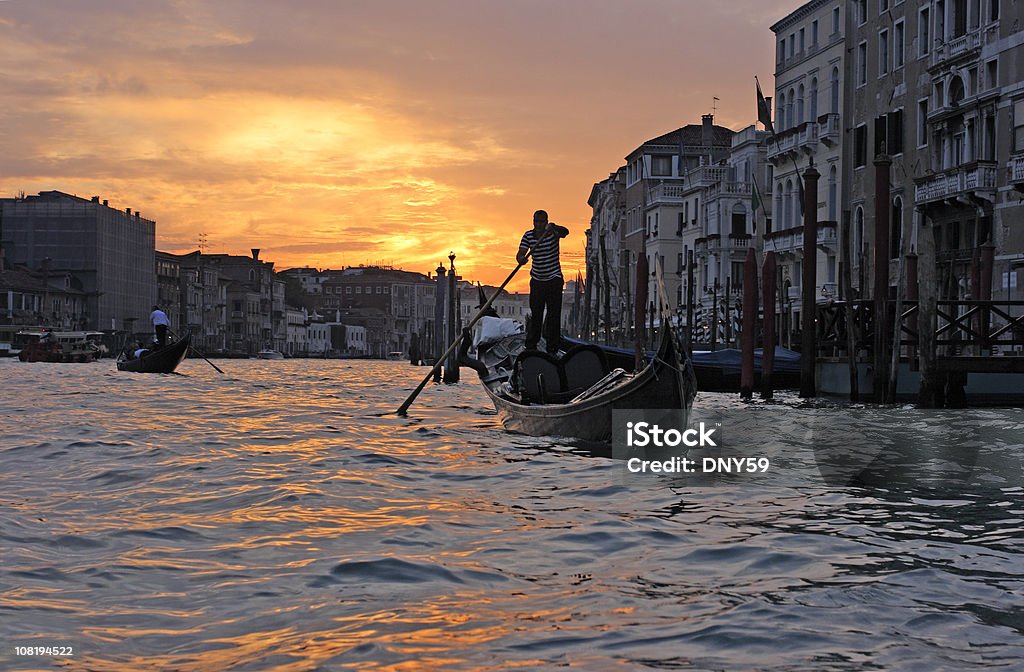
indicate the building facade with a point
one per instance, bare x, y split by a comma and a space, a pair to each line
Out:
109, 252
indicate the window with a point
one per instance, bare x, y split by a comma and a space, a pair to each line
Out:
860, 146
923, 32
814, 33
899, 38
1018, 126
896, 228
813, 99
835, 20
894, 132
359, 290
833, 194
861, 7
883, 52
792, 45
862, 64
922, 122
782, 50
993, 10
800, 105
992, 74
661, 166
835, 90
803, 44
883, 6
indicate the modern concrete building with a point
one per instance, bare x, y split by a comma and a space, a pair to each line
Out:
109, 252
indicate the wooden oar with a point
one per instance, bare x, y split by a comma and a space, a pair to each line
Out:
476, 318
193, 349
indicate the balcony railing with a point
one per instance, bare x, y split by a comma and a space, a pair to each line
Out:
956, 47
790, 240
666, 193
829, 131
954, 182
803, 136
1017, 169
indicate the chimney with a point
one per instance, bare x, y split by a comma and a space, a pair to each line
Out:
95, 199
255, 254
104, 202
128, 211
707, 129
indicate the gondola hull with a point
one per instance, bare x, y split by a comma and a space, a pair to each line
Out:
664, 383
164, 360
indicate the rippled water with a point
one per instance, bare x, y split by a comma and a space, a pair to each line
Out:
267, 519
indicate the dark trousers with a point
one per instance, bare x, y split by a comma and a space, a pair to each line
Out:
161, 335
545, 297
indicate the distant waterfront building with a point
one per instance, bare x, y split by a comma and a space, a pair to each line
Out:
605, 264
109, 252
37, 298
251, 299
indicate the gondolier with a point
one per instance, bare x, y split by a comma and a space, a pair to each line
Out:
545, 281
160, 324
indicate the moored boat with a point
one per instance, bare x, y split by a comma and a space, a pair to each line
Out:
591, 383
268, 353
46, 345
161, 360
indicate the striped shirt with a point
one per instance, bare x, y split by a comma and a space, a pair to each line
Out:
544, 264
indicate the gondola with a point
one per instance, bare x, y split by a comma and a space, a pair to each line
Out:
163, 360
574, 395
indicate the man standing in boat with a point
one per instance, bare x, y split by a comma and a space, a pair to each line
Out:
160, 324
545, 281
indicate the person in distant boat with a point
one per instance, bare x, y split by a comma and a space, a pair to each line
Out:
139, 352
545, 281
160, 324
47, 336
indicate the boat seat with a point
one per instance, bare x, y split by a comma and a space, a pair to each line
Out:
539, 377
582, 366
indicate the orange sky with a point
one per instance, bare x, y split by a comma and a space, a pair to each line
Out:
333, 133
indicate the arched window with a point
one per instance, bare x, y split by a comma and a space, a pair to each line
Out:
777, 211
800, 105
252, 275
835, 90
813, 100
787, 204
896, 228
780, 113
833, 194
790, 112
739, 220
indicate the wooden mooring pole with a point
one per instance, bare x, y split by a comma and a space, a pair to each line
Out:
808, 348
748, 334
768, 272
882, 337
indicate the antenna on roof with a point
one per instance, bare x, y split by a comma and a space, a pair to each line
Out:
714, 104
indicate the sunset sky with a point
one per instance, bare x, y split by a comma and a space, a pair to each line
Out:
345, 132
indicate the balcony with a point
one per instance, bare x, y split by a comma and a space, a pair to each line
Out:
829, 129
960, 183
792, 141
666, 194
792, 240
1017, 172
964, 46
734, 189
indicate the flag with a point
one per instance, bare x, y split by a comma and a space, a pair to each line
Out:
755, 202
764, 111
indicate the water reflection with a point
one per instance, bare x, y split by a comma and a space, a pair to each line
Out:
269, 519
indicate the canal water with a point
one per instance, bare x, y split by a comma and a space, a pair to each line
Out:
271, 519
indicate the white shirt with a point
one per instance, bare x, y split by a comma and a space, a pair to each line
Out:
159, 317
